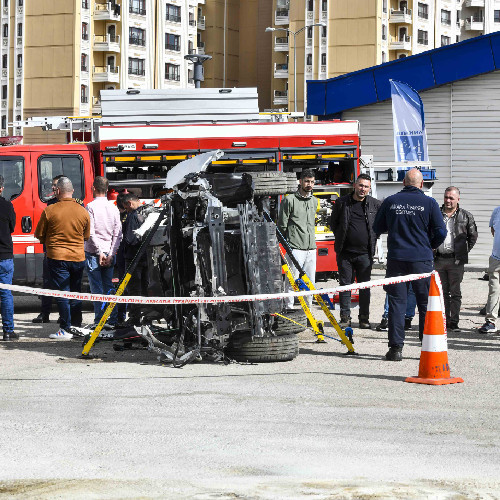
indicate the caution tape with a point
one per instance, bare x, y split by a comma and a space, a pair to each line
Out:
135, 299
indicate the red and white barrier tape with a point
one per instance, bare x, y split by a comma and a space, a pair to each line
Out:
130, 299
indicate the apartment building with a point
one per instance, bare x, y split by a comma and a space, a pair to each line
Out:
58, 54
361, 33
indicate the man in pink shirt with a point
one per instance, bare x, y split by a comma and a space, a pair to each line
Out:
101, 247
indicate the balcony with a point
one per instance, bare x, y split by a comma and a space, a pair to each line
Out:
96, 105
403, 43
107, 43
192, 22
281, 16
280, 70
201, 23
173, 77
474, 23
173, 46
172, 18
134, 40
106, 11
201, 48
400, 16
281, 44
136, 71
280, 97
474, 3
106, 74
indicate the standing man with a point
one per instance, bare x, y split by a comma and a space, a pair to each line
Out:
296, 222
102, 245
489, 326
352, 219
139, 282
7, 225
415, 226
453, 253
63, 227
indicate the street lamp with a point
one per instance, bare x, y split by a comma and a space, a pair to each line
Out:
294, 33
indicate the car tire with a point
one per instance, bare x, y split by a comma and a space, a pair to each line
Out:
263, 349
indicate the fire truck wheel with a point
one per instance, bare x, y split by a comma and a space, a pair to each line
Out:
263, 349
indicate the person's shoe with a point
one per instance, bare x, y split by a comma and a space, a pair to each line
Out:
383, 326
408, 323
61, 335
454, 328
41, 318
394, 354
364, 324
10, 336
76, 331
488, 328
345, 321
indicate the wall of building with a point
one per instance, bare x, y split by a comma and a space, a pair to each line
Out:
463, 126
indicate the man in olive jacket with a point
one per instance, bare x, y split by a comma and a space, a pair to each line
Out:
297, 223
351, 222
453, 253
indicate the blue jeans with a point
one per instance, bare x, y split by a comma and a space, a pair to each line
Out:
67, 276
411, 304
398, 294
6, 273
101, 282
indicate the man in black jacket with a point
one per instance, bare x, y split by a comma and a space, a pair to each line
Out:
352, 219
7, 225
452, 254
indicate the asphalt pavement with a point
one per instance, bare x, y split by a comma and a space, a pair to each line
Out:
324, 425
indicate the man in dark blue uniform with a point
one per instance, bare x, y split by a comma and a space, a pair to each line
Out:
415, 227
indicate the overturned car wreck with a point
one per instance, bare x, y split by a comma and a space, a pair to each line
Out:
209, 238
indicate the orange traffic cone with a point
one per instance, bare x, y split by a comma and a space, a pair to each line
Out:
434, 368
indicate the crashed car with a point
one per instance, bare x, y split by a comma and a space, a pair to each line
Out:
210, 238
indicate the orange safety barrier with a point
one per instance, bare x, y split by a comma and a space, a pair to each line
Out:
434, 368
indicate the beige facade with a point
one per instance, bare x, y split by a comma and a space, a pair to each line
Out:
363, 33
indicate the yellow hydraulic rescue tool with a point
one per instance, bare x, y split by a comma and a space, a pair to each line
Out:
303, 282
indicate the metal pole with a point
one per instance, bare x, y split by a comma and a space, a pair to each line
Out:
294, 71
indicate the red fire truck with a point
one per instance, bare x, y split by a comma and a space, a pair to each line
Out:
139, 157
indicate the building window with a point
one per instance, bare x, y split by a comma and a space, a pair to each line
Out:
323, 59
84, 66
324, 5
18, 91
136, 66
309, 59
4, 91
384, 32
423, 10
19, 29
19, 60
423, 37
402, 56
172, 42
384, 6
5, 3
384, 57
445, 40
496, 16
4, 122
137, 36
85, 31
84, 96
4, 61
457, 39
190, 47
323, 31
445, 17
172, 72
20, 3
5, 30
137, 7
310, 5
309, 32
173, 13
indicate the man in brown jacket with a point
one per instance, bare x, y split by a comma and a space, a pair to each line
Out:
63, 227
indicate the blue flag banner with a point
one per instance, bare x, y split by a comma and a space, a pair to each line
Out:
410, 139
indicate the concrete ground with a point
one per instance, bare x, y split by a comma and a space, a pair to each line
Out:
321, 426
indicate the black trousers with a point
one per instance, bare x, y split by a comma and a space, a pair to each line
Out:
451, 275
138, 285
398, 293
352, 267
